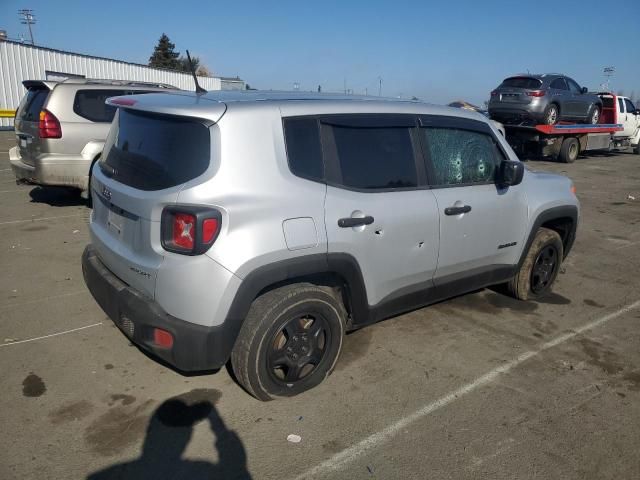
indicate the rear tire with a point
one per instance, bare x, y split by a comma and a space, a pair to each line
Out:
569, 150
290, 341
594, 115
551, 114
540, 268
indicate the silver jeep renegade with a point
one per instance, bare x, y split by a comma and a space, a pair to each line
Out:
259, 227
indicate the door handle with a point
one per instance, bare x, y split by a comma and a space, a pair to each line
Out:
355, 221
457, 210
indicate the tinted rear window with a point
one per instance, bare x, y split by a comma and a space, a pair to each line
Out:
375, 158
153, 152
31, 105
90, 104
522, 82
304, 151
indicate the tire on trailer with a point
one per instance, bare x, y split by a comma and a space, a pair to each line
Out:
569, 150
290, 340
540, 267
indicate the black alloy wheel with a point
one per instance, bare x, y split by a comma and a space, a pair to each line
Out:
298, 348
544, 269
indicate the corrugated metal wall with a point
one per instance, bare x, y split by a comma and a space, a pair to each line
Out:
20, 62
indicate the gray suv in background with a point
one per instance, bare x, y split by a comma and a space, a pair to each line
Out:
259, 227
547, 99
61, 126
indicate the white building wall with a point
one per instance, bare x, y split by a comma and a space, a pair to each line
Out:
20, 62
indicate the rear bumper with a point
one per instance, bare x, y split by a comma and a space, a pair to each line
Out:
195, 347
515, 113
64, 171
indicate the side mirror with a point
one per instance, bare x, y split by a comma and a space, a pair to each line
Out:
584, 90
510, 173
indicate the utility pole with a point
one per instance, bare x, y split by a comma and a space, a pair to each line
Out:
27, 18
380, 86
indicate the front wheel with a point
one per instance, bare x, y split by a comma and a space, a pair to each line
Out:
290, 341
540, 267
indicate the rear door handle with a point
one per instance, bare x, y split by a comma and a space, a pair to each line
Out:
457, 210
355, 221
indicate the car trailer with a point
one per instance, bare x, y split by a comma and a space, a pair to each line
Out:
563, 142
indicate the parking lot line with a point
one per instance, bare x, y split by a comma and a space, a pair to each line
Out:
8, 344
10, 191
340, 459
43, 299
40, 219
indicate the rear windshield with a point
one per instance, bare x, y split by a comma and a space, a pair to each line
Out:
607, 102
153, 152
31, 104
522, 82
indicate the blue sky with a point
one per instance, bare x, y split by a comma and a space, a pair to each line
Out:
437, 51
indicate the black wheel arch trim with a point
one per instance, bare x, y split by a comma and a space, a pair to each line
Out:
549, 215
302, 268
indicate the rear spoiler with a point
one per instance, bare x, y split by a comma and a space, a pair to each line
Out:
38, 84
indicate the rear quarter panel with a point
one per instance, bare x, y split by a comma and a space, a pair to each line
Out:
255, 192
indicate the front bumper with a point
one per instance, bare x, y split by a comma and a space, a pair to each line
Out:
51, 170
195, 347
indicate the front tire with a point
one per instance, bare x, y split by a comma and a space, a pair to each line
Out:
540, 268
290, 341
551, 114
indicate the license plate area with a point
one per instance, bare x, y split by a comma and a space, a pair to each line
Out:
510, 97
115, 221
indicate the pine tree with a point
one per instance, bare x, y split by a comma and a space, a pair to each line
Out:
164, 55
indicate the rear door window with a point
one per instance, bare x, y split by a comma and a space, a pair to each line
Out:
90, 104
522, 82
154, 152
32, 103
304, 151
621, 105
374, 158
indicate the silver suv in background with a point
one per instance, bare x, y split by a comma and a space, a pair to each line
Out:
260, 227
61, 126
547, 99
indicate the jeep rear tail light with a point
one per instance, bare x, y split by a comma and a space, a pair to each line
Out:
494, 93
189, 230
49, 125
536, 93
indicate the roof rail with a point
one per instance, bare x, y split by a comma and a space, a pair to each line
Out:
127, 83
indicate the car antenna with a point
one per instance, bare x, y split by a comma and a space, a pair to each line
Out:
199, 89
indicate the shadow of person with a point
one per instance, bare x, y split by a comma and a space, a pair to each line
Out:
168, 434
